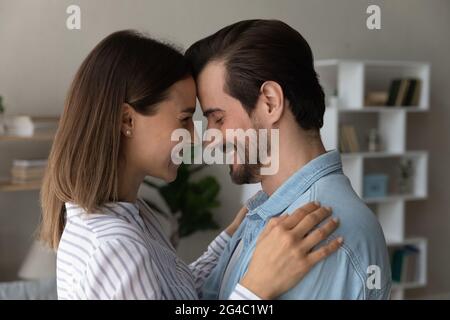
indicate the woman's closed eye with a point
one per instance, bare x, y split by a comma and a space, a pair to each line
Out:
217, 118
186, 121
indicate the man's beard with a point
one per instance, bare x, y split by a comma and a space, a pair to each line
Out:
245, 173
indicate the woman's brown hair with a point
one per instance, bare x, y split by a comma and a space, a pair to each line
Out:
125, 67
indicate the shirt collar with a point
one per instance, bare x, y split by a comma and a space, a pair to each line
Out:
119, 207
267, 207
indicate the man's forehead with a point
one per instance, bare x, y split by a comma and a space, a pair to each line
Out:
211, 78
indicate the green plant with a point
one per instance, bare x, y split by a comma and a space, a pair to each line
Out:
190, 202
2, 108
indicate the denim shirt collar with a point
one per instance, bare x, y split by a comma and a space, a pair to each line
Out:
266, 207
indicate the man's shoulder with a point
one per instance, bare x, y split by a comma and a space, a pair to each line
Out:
364, 242
336, 191
345, 274
357, 220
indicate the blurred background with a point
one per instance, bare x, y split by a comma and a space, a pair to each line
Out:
388, 112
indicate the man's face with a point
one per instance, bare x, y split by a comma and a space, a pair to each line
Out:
225, 112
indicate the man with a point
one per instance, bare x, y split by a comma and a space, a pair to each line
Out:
259, 74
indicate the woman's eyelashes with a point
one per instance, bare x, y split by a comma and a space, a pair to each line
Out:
217, 118
186, 119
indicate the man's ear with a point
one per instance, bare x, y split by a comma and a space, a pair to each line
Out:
127, 124
272, 102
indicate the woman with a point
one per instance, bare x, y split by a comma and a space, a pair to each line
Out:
128, 96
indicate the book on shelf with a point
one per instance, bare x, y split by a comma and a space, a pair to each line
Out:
29, 163
376, 98
404, 92
404, 264
26, 171
348, 140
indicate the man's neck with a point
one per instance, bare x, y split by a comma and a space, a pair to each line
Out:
294, 155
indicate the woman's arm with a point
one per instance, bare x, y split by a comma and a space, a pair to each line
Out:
121, 269
202, 267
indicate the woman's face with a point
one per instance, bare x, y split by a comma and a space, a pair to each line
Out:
149, 147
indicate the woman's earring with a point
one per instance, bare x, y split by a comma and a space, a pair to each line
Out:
128, 132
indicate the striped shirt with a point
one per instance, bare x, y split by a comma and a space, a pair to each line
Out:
122, 253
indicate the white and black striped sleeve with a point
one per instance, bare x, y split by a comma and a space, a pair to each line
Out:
202, 267
121, 269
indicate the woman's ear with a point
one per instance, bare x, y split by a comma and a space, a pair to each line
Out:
272, 99
127, 125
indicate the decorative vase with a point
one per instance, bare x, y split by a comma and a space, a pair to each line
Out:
406, 177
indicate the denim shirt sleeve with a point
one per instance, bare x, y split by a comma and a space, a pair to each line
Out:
339, 276
336, 277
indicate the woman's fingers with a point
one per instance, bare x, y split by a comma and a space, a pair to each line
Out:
289, 221
299, 214
273, 222
231, 229
311, 220
324, 251
319, 234
240, 215
283, 256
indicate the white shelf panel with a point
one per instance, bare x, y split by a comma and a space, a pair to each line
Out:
377, 63
412, 241
353, 79
370, 109
384, 154
407, 285
346, 83
394, 198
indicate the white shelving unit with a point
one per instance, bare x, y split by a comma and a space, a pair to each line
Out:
351, 80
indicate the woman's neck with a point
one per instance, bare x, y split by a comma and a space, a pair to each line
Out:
129, 183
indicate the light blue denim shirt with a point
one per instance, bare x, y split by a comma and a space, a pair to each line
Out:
360, 269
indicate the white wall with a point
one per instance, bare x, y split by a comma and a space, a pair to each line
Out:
39, 56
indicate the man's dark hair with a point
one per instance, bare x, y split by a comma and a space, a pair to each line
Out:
255, 51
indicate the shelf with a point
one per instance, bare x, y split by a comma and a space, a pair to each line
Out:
383, 109
353, 79
373, 63
407, 285
383, 154
346, 84
7, 186
408, 241
394, 198
37, 137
